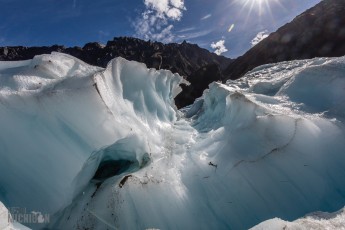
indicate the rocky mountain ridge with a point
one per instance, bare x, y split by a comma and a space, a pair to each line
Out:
184, 58
318, 32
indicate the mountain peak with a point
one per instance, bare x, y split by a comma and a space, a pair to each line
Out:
318, 32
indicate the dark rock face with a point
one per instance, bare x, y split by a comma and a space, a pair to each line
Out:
199, 80
23, 53
318, 32
189, 60
181, 58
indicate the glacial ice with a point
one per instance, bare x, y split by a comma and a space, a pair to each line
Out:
315, 221
5, 220
107, 148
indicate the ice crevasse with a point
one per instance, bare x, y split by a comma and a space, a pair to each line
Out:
107, 149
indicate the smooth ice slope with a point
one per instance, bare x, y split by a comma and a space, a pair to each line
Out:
315, 221
106, 149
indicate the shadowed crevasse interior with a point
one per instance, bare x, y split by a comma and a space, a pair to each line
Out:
110, 168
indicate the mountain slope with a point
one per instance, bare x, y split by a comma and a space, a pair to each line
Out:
318, 32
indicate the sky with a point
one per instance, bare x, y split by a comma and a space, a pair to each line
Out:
226, 27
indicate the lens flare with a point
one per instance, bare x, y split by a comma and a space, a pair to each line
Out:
231, 27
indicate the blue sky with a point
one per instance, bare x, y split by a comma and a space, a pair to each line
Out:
204, 22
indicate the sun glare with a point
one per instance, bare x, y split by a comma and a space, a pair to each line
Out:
258, 7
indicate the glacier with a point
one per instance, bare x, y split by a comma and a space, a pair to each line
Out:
316, 220
106, 148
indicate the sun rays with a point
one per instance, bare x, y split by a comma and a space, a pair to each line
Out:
258, 7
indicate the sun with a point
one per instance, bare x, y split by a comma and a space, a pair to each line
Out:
257, 7
258, 1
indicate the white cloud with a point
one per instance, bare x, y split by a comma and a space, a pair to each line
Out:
160, 6
206, 17
219, 47
174, 14
155, 21
164, 35
193, 34
186, 29
259, 37
177, 3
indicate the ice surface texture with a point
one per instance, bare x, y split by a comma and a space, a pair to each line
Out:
314, 221
6, 221
59, 115
107, 149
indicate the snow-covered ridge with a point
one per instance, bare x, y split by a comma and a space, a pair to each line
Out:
106, 148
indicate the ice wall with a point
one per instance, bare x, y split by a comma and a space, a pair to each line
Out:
59, 115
